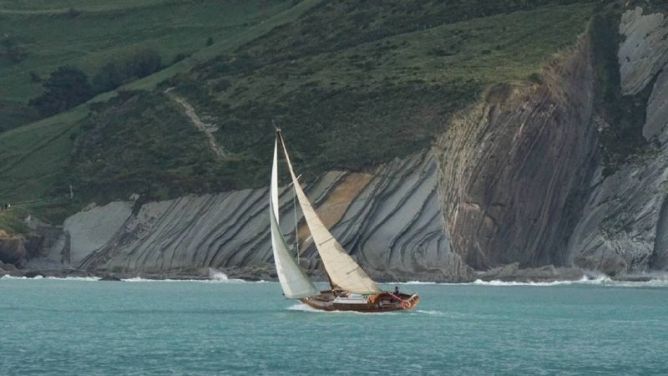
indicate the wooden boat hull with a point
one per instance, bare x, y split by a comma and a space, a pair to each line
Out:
382, 302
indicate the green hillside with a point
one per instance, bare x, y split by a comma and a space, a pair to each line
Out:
351, 83
88, 34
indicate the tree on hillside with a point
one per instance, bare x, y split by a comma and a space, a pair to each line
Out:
138, 64
65, 88
144, 62
109, 77
12, 50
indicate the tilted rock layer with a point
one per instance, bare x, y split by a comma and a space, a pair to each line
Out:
512, 168
624, 226
390, 220
515, 182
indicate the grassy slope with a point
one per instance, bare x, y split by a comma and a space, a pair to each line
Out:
351, 105
171, 27
103, 29
376, 83
54, 6
35, 159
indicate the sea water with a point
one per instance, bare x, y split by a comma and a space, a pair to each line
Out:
89, 327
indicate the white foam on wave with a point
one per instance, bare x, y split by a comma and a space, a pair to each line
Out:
39, 277
650, 283
169, 280
140, 279
215, 276
7, 276
596, 281
512, 283
429, 312
479, 282
87, 279
601, 280
304, 308
218, 276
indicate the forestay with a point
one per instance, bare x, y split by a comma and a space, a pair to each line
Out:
343, 271
294, 283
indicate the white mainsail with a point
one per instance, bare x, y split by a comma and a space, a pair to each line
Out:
343, 271
294, 283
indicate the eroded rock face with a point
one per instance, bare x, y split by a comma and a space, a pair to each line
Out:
659, 259
390, 220
657, 109
624, 228
643, 52
90, 230
12, 248
395, 226
548, 273
619, 231
512, 169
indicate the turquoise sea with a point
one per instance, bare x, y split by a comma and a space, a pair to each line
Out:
81, 327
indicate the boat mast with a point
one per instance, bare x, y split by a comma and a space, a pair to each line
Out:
294, 195
294, 206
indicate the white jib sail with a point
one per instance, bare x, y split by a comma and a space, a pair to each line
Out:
294, 283
343, 271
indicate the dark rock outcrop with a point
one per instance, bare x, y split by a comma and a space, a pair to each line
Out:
624, 227
548, 273
512, 168
12, 248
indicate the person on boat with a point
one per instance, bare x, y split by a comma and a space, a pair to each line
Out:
396, 290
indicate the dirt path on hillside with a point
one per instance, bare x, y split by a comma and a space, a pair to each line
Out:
207, 128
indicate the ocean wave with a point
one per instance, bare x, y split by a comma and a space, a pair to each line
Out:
304, 308
480, 282
39, 277
651, 283
597, 281
170, 280
87, 279
215, 276
429, 312
655, 281
218, 276
7, 276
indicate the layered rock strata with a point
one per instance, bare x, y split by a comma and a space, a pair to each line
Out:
513, 168
624, 226
513, 189
389, 219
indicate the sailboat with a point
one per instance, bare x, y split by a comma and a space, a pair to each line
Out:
351, 289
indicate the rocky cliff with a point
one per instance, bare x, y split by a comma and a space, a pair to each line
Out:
390, 219
623, 228
512, 168
522, 176
517, 181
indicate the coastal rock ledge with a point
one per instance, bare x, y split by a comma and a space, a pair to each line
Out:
390, 220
